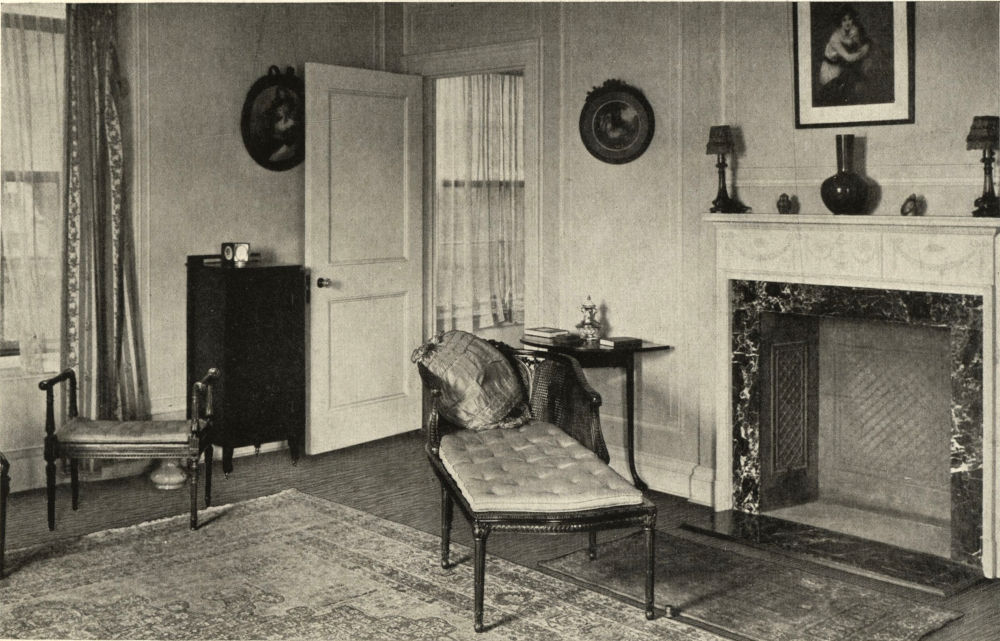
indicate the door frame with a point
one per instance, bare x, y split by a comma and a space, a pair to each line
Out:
526, 57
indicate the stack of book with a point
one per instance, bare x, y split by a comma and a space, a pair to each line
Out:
619, 342
545, 332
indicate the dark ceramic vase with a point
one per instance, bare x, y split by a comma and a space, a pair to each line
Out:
845, 192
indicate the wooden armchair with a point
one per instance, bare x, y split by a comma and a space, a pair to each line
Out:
550, 475
85, 438
4, 492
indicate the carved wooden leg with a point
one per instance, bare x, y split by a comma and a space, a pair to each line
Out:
74, 481
50, 481
4, 492
208, 475
480, 533
446, 515
192, 465
651, 570
592, 544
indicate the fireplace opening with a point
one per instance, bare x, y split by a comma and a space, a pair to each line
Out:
855, 428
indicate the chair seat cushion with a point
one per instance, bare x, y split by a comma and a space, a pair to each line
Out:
533, 468
82, 430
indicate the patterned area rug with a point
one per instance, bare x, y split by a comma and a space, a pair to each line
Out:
292, 566
750, 598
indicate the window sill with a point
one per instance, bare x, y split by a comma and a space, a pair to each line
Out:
10, 366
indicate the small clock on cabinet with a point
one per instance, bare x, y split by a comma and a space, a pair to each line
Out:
235, 253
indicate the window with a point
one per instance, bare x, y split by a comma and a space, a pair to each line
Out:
478, 216
31, 132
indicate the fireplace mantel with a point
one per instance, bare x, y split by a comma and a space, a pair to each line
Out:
955, 255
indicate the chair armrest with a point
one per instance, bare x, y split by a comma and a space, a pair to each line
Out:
433, 422
561, 395
50, 413
202, 389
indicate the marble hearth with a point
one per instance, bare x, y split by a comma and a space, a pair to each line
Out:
937, 275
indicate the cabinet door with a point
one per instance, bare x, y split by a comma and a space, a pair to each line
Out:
264, 395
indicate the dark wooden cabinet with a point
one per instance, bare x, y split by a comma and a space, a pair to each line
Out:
249, 321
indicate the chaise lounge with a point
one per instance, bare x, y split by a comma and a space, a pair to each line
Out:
514, 437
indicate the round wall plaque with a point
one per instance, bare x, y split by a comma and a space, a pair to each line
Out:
616, 124
273, 120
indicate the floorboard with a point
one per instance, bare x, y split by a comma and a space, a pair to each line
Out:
392, 479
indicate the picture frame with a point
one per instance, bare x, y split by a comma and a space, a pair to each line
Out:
272, 122
616, 122
853, 63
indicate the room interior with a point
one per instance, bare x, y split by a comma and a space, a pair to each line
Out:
637, 237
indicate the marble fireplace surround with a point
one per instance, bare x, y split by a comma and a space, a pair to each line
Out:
934, 271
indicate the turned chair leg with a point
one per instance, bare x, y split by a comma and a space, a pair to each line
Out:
479, 533
446, 517
74, 481
592, 544
50, 491
4, 493
192, 465
208, 475
651, 570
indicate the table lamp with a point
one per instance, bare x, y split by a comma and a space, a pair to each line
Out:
985, 134
720, 142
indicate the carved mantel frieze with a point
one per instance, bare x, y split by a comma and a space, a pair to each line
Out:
928, 253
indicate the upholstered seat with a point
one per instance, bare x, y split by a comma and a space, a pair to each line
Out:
82, 430
534, 468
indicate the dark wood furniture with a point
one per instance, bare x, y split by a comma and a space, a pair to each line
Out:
85, 438
560, 395
249, 321
591, 354
4, 492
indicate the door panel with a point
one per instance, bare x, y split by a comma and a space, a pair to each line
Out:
363, 233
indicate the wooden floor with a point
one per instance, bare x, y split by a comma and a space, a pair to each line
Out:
391, 478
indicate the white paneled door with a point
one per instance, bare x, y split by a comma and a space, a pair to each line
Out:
363, 250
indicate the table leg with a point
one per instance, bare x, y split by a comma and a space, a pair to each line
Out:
630, 422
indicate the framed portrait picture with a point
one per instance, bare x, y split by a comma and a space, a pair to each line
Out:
853, 63
616, 122
273, 120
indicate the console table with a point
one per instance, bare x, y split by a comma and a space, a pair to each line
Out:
591, 354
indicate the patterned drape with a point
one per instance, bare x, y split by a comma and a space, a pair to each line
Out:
102, 337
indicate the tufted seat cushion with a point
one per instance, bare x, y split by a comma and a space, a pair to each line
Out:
533, 468
82, 430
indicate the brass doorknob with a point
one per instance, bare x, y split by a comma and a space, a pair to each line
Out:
324, 282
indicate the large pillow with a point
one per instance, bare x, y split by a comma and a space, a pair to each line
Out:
479, 387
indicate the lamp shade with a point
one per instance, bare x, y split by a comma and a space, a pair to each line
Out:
720, 140
984, 133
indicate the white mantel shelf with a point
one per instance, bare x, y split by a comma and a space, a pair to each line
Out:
794, 220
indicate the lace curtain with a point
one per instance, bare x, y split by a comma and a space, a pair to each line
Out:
102, 338
31, 214
478, 224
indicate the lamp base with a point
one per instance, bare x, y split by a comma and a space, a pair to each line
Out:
987, 206
727, 205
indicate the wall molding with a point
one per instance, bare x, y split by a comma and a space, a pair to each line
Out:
685, 479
